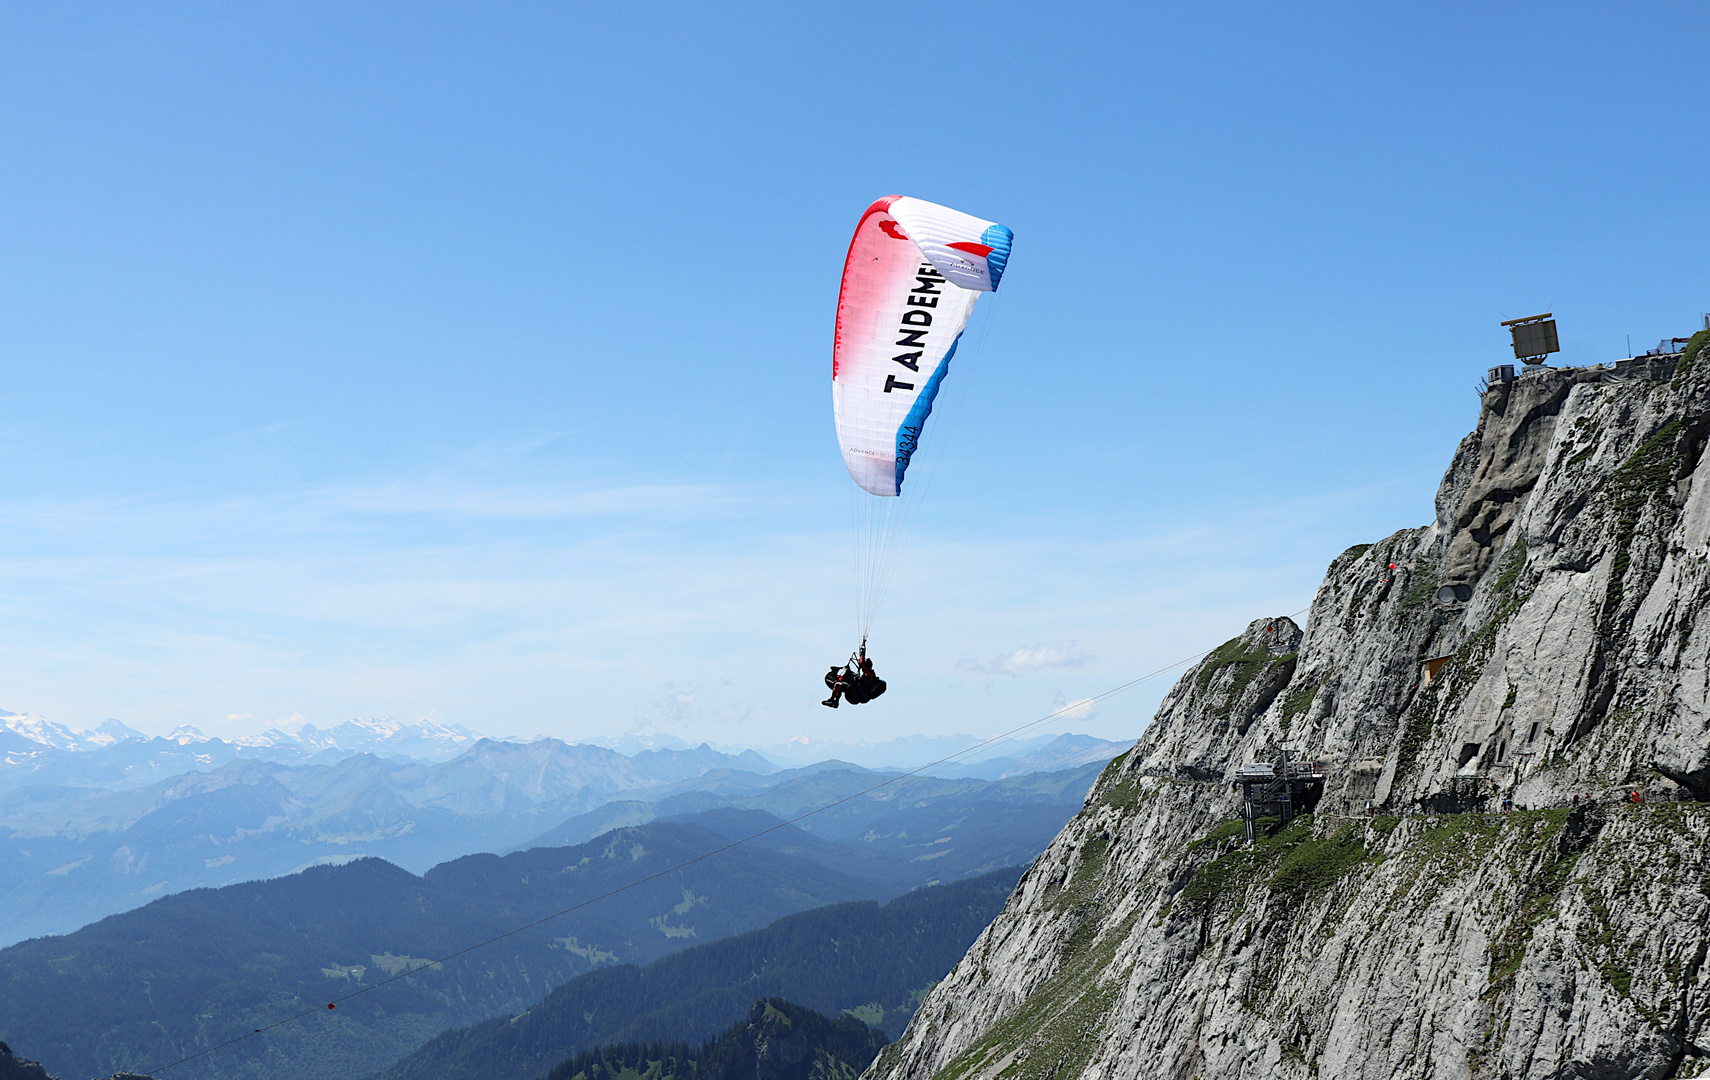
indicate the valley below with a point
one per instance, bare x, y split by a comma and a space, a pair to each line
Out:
641, 870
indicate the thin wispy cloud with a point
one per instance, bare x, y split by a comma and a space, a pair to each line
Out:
706, 611
1030, 658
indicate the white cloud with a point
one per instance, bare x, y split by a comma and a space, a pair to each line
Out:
1079, 709
1030, 658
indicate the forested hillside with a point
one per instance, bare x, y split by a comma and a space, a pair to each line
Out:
13, 1067
875, 961
149, 986
778, 1041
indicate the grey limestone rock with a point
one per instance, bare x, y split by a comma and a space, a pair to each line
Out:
1411, 926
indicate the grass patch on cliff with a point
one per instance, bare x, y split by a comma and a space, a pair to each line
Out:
1418, 721
1115, 765
1210, 880
1248, 666
1348, 556
1225, 830
1514, 561
1606, 941
1422, 582
1121, 794
1689, 356
1314, 865
1647, 475
1454, 842
1234, 653
1296, 704
1291, 862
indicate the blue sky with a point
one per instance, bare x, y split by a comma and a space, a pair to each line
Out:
472, 361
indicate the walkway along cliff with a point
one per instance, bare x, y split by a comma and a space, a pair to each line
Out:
1547, 637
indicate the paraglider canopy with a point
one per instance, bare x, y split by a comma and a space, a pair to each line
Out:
910, 281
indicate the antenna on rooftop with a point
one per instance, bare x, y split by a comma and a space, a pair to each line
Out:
1534, 337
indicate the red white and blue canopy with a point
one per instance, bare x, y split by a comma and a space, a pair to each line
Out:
909, 284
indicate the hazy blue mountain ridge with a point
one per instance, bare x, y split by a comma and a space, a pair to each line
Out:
35, 751
72, 854
794, 792
990, 762
136, 763
69, 855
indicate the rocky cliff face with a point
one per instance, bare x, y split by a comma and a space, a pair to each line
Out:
1546, 637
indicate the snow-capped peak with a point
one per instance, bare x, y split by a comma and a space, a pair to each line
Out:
44, 732
41, 730
111, 732
270, 737
424, 739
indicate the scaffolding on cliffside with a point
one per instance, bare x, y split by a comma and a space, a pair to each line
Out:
1279, 789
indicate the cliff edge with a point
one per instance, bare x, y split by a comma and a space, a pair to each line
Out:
1543, 645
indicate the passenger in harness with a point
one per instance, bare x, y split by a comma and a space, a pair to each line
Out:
856, 682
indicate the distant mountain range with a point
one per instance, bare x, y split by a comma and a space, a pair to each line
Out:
155, 984
778, 1041
911, 817
1010, 757
72, 854
97, 822
423, 740
23, 735
35, 750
